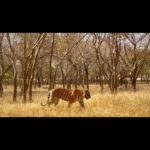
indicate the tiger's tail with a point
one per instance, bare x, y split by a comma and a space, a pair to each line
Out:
49, 94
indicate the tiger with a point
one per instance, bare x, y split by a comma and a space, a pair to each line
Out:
69, 95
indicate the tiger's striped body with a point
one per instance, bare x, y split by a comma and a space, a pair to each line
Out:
69, 95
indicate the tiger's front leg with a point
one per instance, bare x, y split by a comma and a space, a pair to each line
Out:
81, 102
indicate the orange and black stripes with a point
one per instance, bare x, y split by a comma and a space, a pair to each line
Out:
68, 95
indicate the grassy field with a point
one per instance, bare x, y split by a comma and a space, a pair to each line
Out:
124, 104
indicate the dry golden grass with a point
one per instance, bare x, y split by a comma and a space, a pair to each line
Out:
124, 104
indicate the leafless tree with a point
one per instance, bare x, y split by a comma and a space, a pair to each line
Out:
1, 65
13, 60
50, 61
136, 52
98, 40
36, 49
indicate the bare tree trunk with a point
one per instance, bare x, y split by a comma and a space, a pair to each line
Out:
101, 83
115, 79
76, 80
69, 83
112, 85
2, 65
63, 77
86, 76
25, 84
30, 87
35, 82
54, 79
69, 80
82, 75
134, 84
41, 77
15, 87
96, 80
76, 77
20, 82
1, 86
50, 75
50, 63
39, 80
21, 91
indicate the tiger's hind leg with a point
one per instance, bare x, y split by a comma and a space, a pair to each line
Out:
69, 104
52, 101
56, 101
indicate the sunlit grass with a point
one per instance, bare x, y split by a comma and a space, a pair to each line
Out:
124, 104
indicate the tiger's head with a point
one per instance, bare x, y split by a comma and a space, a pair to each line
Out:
87, 94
